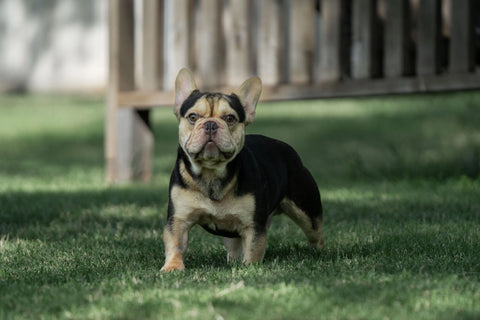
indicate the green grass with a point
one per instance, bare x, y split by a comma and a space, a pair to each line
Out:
399, 177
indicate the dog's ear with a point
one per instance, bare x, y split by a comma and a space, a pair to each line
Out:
184, 86
248, 94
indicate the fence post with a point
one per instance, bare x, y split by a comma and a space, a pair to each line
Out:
301, 44
209, 46
238, 41
461, 36
397, 46
331, 44
364, 54
179, 39
152, 79
271, 48
152, 71
127, 131
428, 41
121, 77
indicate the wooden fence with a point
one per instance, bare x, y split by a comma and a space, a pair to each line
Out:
300, 49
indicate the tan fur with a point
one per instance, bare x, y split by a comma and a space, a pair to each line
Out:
253, 246
192, 137
176, 240
250, 248
193, 206
314, 236
201, 196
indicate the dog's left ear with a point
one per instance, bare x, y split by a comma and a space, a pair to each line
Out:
248, 94
184, 86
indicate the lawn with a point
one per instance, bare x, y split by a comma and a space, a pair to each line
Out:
399, 178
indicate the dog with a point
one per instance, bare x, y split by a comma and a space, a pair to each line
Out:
230, 183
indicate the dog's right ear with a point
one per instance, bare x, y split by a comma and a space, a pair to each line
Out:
184, 86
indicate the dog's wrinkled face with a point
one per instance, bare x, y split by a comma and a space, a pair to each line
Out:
212, 125
211, 129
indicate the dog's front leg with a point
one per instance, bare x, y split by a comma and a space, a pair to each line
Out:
253, 244
175, 238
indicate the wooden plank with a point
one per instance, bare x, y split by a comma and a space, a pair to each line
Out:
347, 88
209, 47
301, 44
330, 66
397, 45
364, 55
134, 145
144, 99
179, 38
238, 41
461, 36
368, 87
138, 122
121, 77
428, 45
271, 44
153, 57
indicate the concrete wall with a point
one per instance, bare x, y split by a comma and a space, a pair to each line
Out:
53, 45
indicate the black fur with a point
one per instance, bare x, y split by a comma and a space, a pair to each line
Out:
232, 100
269, 169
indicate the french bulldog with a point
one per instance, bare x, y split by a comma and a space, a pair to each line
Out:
230, 183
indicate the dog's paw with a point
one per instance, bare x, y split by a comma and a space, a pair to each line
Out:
318, 244
171, 268
172, 265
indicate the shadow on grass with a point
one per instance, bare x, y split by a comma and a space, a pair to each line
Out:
109, 231
428, 136
21, 211
432, 141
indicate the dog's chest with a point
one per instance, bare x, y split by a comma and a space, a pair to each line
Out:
232, 214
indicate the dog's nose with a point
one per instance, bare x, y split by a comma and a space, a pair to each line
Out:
210, 127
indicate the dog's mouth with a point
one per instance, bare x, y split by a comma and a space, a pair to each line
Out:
211, 151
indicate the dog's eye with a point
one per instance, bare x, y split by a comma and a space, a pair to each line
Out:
230, 119
192, 118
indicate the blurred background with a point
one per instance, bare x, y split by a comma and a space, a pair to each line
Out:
53, 46
126, 53
61, 46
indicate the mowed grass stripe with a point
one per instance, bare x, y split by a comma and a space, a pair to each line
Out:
399, 178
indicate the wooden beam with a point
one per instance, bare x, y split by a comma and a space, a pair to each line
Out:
428, 43
121, 78
238, 41
209, 46
271, 44
432, 83
179, 39
397, 46
461, 36
331, 46
364, 55
152, 79
301, 44
153, 57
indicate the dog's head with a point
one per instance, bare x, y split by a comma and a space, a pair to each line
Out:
212, 125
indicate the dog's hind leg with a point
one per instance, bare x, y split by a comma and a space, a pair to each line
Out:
303, 205
311, 226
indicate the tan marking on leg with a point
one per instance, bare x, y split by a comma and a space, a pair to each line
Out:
253, 246
175, 240
234, 248
314, 236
